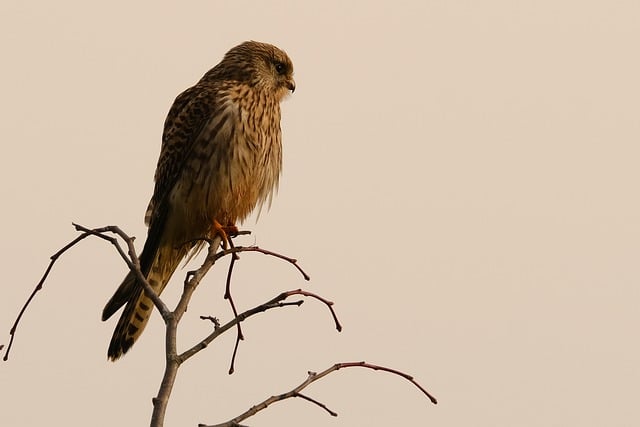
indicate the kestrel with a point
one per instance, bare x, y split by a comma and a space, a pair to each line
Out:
221, 157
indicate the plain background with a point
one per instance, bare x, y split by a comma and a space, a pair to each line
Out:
460, 177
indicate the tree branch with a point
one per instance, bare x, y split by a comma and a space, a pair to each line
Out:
227, 296
174, 360
233, 250
132, 260
276, 302
172, 318
313, 377
99, 232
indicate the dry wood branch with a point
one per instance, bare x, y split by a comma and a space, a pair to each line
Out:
192, 280
38, 287
171, 318
237, 249
115, 235
276, 302
233, 251
292, 261
313, 377
227, 296
172, 360
131, 260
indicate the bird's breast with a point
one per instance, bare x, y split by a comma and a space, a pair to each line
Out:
235, 168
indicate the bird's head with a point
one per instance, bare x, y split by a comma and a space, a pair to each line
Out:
261, 65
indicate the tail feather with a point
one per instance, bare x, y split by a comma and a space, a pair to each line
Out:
132, 321
129, 288
123, 294
138, 306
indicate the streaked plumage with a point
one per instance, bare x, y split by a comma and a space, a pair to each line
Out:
220, 158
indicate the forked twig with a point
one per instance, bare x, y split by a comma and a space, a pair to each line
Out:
99, 232
313, 377
130, 258
276, 302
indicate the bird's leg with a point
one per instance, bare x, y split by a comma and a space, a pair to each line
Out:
224, 231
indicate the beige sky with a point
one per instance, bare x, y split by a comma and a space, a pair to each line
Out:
460, 177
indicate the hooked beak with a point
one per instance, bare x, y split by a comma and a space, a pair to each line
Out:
291, 85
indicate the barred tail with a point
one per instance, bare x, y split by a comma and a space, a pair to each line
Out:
138, 308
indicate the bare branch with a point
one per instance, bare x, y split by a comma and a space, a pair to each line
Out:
193, 278
328, 303
214, 320
99, 232
234, 250
227, 296
275, 302
237, 249
392, 371
172, 318
315, 402
172, 360
38, 287
86, 233
313, 377
132, 260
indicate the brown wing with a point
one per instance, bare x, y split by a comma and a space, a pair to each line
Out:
188, 115
181, 127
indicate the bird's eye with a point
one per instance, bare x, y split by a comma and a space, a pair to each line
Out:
280, 68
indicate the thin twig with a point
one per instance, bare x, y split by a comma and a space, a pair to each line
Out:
227, 296
273, 303
392, 371
86, 232
276, 302
313, 377
53, 258
234, 251
292, 261
328, 303
132, 260
315, 402
214, 320
99, 232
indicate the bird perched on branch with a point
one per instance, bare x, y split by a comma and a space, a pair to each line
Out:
220, 158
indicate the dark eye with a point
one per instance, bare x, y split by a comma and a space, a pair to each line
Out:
280, 68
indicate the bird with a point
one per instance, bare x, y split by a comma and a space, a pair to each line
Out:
220, 159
